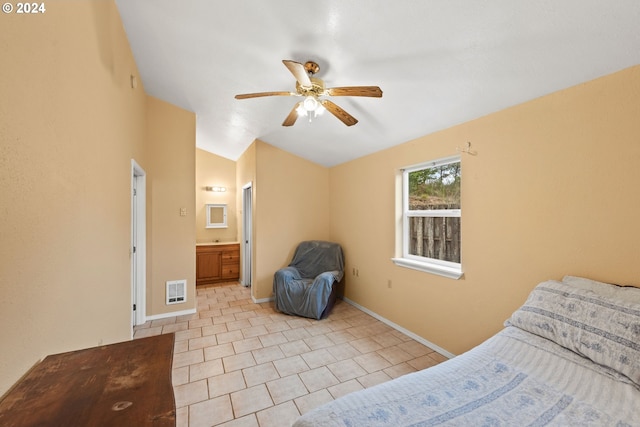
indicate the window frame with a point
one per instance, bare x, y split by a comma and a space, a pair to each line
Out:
448, 269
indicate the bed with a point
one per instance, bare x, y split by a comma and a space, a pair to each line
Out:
570, 356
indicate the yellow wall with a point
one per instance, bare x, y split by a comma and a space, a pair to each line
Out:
170, 188
211, 171
551, 191
70, 123
292, 205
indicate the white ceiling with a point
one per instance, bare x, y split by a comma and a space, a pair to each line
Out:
438, 62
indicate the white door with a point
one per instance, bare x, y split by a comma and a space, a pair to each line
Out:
247, 243
134, 244
138, 244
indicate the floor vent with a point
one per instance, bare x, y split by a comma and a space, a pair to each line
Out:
176, 291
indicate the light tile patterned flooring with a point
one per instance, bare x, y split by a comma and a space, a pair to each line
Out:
241, 364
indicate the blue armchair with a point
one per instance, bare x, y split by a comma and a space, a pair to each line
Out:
308, 286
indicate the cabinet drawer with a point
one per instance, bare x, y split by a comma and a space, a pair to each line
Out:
230, 271
228, 256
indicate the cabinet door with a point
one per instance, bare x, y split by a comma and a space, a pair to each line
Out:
208, 266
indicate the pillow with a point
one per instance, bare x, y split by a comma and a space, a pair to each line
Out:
626, 293
603, 329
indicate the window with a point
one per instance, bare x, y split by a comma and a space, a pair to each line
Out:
431, 217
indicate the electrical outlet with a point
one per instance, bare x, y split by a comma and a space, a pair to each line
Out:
183, 211
389, 283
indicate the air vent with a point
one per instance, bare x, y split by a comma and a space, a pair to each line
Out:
176, 291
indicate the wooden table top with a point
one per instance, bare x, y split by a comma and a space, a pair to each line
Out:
123, 384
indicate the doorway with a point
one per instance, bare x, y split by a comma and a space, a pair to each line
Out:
138, 244
247, 239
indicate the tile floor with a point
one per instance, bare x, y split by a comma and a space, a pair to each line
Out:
241, 364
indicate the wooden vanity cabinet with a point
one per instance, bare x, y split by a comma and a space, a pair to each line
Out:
217, 263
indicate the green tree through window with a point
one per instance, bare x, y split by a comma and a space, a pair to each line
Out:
435, 188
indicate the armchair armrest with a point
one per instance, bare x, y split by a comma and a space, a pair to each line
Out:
329, 276
287, 273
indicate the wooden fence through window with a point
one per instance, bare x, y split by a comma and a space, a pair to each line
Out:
435, 237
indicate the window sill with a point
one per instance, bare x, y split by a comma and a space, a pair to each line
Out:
441, 270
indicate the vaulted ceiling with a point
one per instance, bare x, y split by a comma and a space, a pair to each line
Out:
438, 62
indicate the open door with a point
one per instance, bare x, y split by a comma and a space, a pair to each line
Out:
138, 244
247, 241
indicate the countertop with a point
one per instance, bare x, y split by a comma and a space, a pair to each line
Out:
217, 243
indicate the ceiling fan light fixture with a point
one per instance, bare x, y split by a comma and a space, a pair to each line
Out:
301, 111
310, 103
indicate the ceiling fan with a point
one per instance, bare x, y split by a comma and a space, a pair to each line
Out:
313, 91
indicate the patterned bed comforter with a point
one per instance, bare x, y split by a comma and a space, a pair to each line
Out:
513, 379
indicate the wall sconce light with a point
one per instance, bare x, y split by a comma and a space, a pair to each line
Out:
216, 189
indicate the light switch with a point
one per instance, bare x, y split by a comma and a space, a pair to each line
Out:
183, 211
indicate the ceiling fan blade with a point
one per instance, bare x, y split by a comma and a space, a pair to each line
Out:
259, 94
372, 91
293, 116
345, 117
298, 71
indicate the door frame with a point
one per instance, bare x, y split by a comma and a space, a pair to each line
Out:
138, 248
247, 233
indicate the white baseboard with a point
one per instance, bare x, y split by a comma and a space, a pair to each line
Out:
171, 314
261, 300
399, 328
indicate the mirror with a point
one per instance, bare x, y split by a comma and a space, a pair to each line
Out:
216, 215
